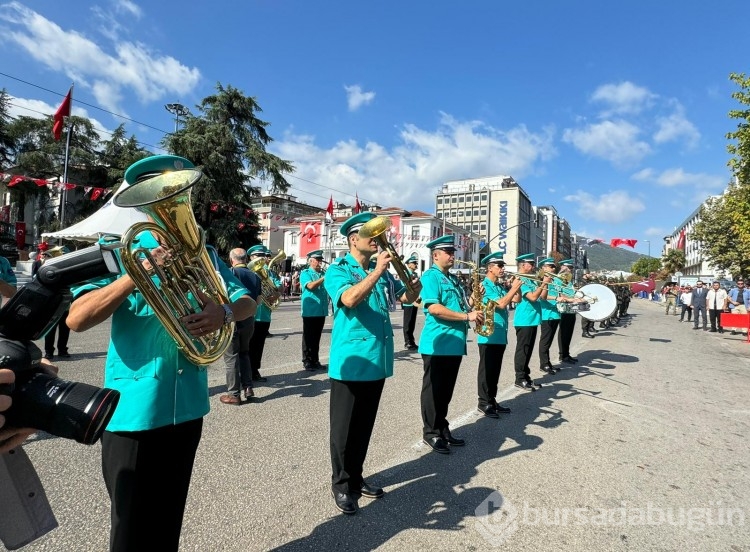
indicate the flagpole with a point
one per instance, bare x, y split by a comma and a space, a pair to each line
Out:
64, 195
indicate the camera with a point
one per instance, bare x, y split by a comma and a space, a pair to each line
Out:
68, 409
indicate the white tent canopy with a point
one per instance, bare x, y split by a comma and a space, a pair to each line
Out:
109, 220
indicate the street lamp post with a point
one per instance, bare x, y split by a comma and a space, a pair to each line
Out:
178, 110
649, 247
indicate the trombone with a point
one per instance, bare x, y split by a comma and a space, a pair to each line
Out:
577, 295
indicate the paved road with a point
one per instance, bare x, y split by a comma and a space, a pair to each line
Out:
642, 446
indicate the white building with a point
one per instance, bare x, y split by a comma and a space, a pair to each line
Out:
695, 265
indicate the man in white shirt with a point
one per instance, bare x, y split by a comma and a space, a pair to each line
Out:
716, 301
686, 298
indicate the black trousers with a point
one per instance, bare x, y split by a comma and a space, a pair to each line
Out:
257, 343
586, 324
312, 329
490, 364
686, 309
714, 316
354, 406
410, 322
147, 474
525, 338
547, 336
63, 333
565, 335
438, 382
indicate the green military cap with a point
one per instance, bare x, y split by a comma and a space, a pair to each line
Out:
443, 242
527, 258
496, 257
256, 250
317, 254
354, 223
267, 252
155, 165
566, 262
547, 261
412, 259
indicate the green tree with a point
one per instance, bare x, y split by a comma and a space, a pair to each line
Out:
724, 226
7, 143
645, 266
229, 142
673, 261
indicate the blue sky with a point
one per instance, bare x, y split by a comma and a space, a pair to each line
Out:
613, 112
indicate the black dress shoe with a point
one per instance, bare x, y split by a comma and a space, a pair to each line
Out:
319, 366
569, 359
488, 410
258, 377
525, 385
371, 491
344, 502
437, 444
549, 369
587, 334
412, 347
535, 384
63, 354
308, 367
451, 440
502, 409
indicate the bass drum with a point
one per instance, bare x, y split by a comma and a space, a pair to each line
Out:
602, 300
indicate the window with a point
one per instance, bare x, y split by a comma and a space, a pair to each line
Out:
476, 212
454, 199
484, 212
415, 232
453, 214
468, 212
483, 227
484, 197
475, 227
476, 197
461, 199
294, 238
440, 201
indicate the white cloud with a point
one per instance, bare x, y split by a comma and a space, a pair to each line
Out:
613, 207
614, 141
671, 178
655, 231
623, 98
356, 98
411, 172
676, 127
133, 66
128, 7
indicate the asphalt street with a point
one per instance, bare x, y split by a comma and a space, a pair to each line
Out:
643, 445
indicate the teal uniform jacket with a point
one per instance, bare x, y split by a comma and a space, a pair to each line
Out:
6, 272
263, 313
314, 301
362, 337
158, 385
549, 305
500, 335
528, 313
442, 337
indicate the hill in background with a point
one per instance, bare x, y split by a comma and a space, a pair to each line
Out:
601, 256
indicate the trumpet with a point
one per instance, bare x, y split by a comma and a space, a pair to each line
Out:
560, 288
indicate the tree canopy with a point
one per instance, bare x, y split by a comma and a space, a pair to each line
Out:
228, 140
645, 266
724, 225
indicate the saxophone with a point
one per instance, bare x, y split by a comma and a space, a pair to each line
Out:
269, 293
486, 328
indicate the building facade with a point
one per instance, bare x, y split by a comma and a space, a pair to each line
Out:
275, 211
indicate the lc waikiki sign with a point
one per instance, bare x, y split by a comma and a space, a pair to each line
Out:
502, 227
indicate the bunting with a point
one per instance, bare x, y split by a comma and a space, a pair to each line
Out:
622, 241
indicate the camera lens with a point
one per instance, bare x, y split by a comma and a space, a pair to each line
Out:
67, 409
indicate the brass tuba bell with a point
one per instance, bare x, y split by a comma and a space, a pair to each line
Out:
375, 229
171, 288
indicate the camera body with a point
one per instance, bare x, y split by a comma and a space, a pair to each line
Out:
40, 400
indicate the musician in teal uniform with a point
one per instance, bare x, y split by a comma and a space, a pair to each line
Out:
526, 320
492, 347
442, 343
262, 315
550, 316
314, 304
410, 311
361, 357
567, 319
150, 443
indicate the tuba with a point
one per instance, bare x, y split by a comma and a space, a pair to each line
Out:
486, 328
171, 288
269, 293
375, 229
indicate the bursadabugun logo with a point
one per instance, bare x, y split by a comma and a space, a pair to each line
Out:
496, 519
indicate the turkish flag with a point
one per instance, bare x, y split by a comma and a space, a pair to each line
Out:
62, 112
357, 206
20, 234
329, 210
681, 240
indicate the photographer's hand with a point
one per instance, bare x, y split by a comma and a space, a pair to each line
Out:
10, 437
